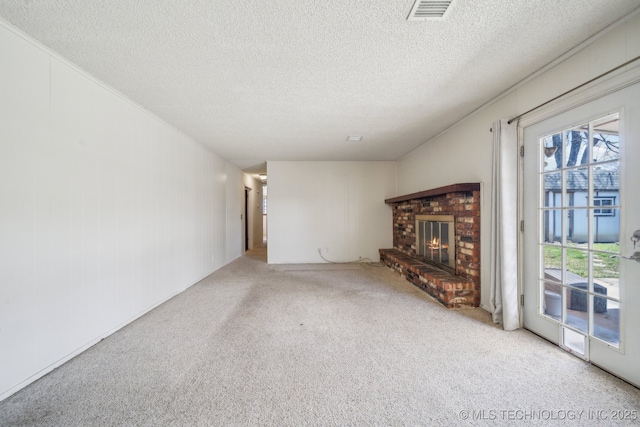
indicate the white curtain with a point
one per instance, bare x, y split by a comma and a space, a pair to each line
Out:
504, 226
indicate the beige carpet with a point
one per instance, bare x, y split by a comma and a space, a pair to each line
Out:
308, 345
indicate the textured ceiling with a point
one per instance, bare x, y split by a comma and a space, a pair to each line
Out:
259, 80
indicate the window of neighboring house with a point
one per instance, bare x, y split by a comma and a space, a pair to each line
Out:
604, 201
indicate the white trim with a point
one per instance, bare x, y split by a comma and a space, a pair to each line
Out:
583, 96
609, 96
54, 55
22, 384
520, 257
588, 42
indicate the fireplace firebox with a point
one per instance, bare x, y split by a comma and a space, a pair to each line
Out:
438, 225
435, 240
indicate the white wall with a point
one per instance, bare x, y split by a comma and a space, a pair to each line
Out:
336, 206
463, 154
105, 211
235, 201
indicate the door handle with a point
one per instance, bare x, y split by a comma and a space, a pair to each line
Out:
634, 256
635, 237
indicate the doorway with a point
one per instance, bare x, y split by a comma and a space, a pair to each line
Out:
581, 208
264, 214
246, 218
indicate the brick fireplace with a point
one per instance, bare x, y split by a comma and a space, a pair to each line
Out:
458, 287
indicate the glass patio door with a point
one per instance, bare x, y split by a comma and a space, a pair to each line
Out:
581, 208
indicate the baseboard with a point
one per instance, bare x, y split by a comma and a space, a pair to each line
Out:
22, 384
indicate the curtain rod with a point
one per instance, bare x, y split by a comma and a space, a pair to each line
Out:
575, 88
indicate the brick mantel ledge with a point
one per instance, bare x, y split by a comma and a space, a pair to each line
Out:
450, 290
454, 188
462, 201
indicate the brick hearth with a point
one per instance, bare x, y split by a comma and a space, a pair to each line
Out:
463, 202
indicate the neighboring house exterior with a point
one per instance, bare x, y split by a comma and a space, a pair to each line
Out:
606, 221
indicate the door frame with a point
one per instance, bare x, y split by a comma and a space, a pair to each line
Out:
592, 92
585, 96
246, 245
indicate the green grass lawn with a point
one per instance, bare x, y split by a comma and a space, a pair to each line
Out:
604, 266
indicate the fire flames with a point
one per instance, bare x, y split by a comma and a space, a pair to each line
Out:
435, 244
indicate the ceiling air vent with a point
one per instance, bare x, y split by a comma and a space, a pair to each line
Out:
424, 10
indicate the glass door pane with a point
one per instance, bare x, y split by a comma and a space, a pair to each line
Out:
583, 181
579, 236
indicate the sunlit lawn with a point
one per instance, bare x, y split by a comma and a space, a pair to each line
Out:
604, 266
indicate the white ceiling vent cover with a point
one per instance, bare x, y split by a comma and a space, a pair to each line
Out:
424, 10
